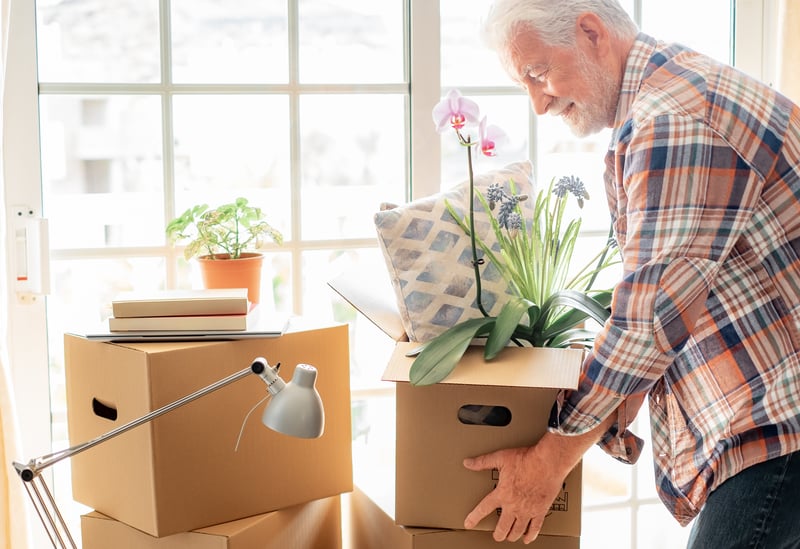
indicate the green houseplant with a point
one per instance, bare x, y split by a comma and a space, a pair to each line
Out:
551, 298
223, 240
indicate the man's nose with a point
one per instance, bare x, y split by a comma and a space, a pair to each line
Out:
539, 100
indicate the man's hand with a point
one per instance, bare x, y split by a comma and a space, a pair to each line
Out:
530, 479
525, 490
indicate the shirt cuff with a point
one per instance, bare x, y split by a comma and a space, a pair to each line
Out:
618, 441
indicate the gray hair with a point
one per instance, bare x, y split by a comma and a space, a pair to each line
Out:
553, 20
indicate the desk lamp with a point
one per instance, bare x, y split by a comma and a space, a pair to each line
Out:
295, 410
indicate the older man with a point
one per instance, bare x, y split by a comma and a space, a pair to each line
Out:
703, 184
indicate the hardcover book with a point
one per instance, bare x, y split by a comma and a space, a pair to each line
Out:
185, 322
206, 302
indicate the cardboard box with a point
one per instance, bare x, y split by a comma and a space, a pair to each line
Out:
434, 489
440, 425
313, 525
181, 471
371, 525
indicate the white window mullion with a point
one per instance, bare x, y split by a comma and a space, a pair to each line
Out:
425, 80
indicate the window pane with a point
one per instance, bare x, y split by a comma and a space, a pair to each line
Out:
657, 529
353, 158
466, 61
707, 30
370, 348
604, 479
511, 114
604, 529
79, 42
233, 145
102, 170
230, 42
560, 154
356, 41
373, 425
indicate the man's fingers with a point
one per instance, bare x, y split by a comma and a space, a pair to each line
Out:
504, 524
486, 506
534, 528
481, 463
519, 529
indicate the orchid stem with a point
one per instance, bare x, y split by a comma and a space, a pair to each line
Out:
476, 263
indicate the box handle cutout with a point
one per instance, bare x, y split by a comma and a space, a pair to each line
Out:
482, 414
103, 410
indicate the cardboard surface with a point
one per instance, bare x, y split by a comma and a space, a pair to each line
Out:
313, 525
181, 471
371, 526
513, 367
436, 426
478, 409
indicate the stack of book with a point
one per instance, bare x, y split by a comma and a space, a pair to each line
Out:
179, 310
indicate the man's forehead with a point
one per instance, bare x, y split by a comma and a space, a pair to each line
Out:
525, 46
526, 56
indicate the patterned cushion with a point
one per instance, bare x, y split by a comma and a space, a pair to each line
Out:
429, 257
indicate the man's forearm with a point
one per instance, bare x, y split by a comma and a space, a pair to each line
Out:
567, 450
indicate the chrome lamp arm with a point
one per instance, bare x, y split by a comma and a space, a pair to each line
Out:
281, 415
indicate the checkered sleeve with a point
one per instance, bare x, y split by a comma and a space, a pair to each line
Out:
683, 198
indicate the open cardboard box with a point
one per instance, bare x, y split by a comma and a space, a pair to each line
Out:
435, 432
182, 471
313, 525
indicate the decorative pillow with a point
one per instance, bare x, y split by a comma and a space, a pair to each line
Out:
429, 256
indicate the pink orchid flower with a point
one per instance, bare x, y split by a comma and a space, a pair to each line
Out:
455, 111
489, 137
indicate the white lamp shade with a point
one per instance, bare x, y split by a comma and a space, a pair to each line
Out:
297, 409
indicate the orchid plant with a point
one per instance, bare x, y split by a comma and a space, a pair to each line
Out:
551, 299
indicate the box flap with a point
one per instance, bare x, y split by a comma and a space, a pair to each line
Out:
372, 295
514, 367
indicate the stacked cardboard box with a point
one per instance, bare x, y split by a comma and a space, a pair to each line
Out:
372, 524
182, 472
437, 428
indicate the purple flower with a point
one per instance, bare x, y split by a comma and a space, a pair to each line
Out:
573, 185
507, 216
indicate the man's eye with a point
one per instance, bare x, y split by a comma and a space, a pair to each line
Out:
538, 76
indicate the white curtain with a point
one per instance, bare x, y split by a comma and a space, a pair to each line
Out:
788, 49
14, 529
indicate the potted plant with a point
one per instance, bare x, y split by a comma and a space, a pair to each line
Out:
223, 240
551, 299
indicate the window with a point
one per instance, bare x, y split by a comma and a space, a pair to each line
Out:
317, 109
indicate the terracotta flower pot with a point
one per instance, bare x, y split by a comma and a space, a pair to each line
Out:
223, 272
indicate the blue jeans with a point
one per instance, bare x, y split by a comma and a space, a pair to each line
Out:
757, 509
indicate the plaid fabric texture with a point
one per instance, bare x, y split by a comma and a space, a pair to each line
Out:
703, 184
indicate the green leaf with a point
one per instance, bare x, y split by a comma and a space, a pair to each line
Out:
441, 354
565, 321
572, 337
506, 325
603, 297
580, 301
572, 317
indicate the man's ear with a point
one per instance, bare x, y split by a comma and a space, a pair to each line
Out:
592, 33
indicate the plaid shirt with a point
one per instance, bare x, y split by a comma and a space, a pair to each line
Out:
703, 185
